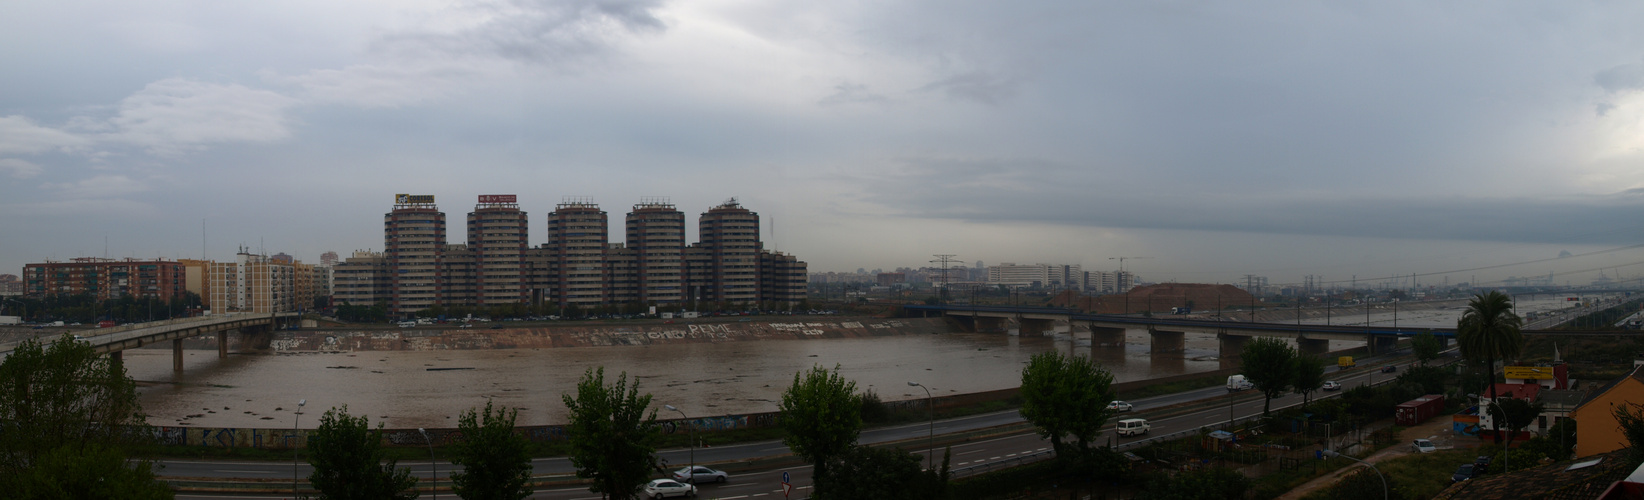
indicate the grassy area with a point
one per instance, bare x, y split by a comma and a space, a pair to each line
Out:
1279, 483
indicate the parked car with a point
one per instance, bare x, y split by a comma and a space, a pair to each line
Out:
1481, 465
1463, 473
1331, 385
702, 474
664, 488
1389, 369
1119, 406
1424, 446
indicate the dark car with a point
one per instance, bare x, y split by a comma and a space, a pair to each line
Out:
1463, 473
1481, 465
1389, 369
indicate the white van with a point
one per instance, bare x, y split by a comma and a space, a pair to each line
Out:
1132, 426
1238, 383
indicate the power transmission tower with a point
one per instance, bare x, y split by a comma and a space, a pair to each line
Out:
946, 260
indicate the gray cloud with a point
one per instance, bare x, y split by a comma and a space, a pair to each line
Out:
1621, 78
977, 86
534, 31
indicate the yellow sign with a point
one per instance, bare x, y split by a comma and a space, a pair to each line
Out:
403, 199
1529, 372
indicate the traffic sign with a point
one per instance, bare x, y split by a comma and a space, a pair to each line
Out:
785, 477
786, 489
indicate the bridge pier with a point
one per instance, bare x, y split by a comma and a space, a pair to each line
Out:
1313, 346
1383, 343
1231, 346
1107, 336
1168, 341
1035, 326
177, 354
222, 344
987, 324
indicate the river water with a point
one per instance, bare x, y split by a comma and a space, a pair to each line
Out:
408, 389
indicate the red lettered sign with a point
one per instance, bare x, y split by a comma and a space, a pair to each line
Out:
497, 198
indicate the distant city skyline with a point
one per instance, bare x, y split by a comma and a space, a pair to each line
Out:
1218, 140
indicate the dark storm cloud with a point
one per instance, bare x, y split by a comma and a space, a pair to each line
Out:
1041, 192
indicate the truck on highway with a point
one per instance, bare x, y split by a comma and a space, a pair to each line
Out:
11, 320
1345, 362
1238, 383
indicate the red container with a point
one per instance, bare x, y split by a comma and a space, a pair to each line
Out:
1418, 410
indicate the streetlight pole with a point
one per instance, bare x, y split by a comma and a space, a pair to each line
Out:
930, 443
431, 463
1332, 453
687, 418
294, 431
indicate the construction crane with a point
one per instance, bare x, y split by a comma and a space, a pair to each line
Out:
1122, 261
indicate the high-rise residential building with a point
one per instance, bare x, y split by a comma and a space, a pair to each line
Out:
497, 237
329, 259
1058, 276
781, 278
414, 243
252, 283
577, 266
1109, 282
730, 235
577, 234
362, 280
106, 278
656, 234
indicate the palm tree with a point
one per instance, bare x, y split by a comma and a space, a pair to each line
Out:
1489, 330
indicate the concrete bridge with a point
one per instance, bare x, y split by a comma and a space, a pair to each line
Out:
113, 340
1168, 334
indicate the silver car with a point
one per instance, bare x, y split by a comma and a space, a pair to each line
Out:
703, 474
664, 488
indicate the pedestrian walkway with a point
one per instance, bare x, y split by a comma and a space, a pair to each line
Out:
1438, 430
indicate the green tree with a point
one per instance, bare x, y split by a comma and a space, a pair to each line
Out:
349, 462
496, 460
1309, 377
1270, 365
1629, 417
1488, 330
867, 473
821, 415
70, 418
1427, 347
613, 439
1514, 415
1430, 379
1064, 395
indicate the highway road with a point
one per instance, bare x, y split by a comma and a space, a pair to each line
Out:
767, 484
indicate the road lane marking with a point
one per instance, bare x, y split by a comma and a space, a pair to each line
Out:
797, 468
968, 452
248, 471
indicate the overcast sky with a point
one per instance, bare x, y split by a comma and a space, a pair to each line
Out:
1216, 139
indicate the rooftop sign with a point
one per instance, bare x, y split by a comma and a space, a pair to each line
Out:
497, 198
404, 199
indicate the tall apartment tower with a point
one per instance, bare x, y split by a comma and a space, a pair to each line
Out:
656, 234
497, 231
730, 235
577, 233
414, 242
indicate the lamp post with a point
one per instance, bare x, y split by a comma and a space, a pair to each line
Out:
1332, 453
294, 430
930, 447
431, 463
687, 418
